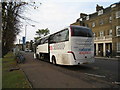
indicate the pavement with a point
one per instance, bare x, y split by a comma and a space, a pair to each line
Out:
45, 75
106, 58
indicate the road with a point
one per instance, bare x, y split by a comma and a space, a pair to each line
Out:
41, 74
107, 68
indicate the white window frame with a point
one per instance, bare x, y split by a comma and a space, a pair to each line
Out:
110, 32
101, 33
87, 18
117, 30
118, 46
94, 34
118, 14
100, 12
81, 19
93, 24
101, 22
110, 19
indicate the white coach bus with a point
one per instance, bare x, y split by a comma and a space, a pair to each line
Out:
71, 46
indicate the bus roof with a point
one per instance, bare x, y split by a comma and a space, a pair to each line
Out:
61, 30
79, 26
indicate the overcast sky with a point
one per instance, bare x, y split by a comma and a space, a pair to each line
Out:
57, 14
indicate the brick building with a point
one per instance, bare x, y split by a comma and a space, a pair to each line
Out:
105, 24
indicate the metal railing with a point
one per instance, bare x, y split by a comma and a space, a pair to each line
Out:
103, 38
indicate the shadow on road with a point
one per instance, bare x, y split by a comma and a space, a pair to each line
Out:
76, 67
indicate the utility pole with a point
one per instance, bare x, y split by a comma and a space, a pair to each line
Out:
25, 38
25, 33
19, 41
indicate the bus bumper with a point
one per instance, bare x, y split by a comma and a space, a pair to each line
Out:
82, 61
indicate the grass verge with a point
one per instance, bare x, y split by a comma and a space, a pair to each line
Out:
12, 79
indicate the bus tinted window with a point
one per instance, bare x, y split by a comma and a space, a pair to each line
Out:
83, 32
60, 36
64, 35
44, 40
38, 42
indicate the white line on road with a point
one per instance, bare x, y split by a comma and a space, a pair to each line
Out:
94, 75
118, 83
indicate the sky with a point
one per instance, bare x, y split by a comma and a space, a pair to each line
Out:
56, 15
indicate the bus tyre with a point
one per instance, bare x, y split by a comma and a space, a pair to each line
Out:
53, 60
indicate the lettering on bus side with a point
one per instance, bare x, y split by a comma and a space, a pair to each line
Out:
51, 48
83, 43
58, 46
85, 51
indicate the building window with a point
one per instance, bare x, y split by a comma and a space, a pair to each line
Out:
118, 47
87, 25
101, 33
118, 14
110, 19
80, 19
101, 22
118, 31
110, 32
100, 12
93, 24
94, 34
87, 18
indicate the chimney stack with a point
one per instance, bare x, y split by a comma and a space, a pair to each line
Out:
83, 15
99, 7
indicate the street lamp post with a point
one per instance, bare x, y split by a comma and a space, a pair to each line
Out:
26, 35
24, 41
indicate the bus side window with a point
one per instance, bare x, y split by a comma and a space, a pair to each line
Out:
60, 36
52, 39
44, 40
64, 35
67, 35
38, 42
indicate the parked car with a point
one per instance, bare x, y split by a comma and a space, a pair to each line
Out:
26, 50
30, 50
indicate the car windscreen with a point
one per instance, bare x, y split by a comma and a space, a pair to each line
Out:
81, 31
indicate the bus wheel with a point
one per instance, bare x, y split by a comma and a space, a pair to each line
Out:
53, 60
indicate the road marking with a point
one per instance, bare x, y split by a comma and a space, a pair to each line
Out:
118, 83
94, 75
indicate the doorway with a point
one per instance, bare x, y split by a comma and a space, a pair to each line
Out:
100, 49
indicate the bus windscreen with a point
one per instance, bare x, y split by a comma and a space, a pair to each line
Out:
79, 31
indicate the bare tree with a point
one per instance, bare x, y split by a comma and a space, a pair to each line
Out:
11, 15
